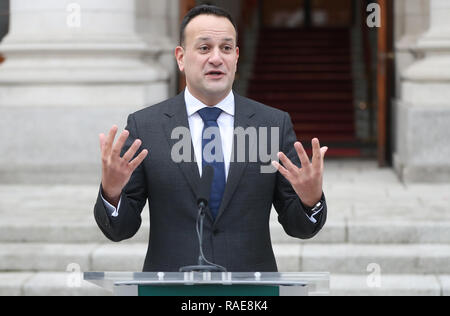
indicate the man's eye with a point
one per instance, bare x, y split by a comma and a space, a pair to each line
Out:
203, 48
228, 48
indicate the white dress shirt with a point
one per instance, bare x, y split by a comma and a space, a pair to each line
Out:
226, 127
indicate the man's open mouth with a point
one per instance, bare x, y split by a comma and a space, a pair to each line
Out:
214, 73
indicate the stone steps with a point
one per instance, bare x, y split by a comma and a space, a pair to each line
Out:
335, 258
373, 219
67, 284
390, 285
376, 231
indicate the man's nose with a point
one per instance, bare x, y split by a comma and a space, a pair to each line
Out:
216, 57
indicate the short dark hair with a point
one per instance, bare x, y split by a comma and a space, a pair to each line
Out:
204, 9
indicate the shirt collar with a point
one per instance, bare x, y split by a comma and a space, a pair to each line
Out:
193, 105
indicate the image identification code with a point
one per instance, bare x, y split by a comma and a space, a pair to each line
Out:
241, 305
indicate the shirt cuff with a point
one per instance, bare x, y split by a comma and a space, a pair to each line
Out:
311, 218
112, 210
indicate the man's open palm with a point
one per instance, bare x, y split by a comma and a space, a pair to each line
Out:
307, 180
116, 170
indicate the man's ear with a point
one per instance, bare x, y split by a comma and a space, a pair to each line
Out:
179, 55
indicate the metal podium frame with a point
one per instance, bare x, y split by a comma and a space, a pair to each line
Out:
212, 283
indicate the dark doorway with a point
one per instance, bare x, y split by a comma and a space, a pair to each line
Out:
307, 13
317, 60
304, 65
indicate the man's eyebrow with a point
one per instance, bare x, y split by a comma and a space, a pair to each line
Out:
205, 39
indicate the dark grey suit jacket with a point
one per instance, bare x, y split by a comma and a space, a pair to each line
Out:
239, 238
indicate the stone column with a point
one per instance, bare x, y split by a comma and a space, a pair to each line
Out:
157, 22
73, 68
423, 117
411, 21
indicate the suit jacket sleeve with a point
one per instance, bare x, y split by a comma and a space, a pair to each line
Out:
291, 213
133, 199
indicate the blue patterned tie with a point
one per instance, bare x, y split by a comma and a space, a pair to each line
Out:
209, 116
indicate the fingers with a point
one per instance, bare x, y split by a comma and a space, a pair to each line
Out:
108, 147
323, 151
102, 139
120, 142
110, 139
281, 169
317, 156
132, 150
287, 163
302, 155
138, 160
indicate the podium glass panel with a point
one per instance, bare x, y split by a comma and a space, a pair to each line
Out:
212, 283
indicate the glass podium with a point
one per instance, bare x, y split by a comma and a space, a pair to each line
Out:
212, 283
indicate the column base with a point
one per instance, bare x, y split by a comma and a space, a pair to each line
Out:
422, 174
422, 143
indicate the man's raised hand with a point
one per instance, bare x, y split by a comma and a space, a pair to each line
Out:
116, 170
307, 180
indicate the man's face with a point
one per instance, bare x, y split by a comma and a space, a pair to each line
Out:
209, 57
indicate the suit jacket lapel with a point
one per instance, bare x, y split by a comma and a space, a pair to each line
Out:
175, 115
242, 118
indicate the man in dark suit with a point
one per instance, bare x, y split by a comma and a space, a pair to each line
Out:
236, 228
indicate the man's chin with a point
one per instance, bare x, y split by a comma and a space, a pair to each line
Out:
217, 86
215, 90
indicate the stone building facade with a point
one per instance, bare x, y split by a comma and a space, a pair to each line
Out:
74, 68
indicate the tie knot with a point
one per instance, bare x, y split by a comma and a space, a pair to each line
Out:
210, 114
